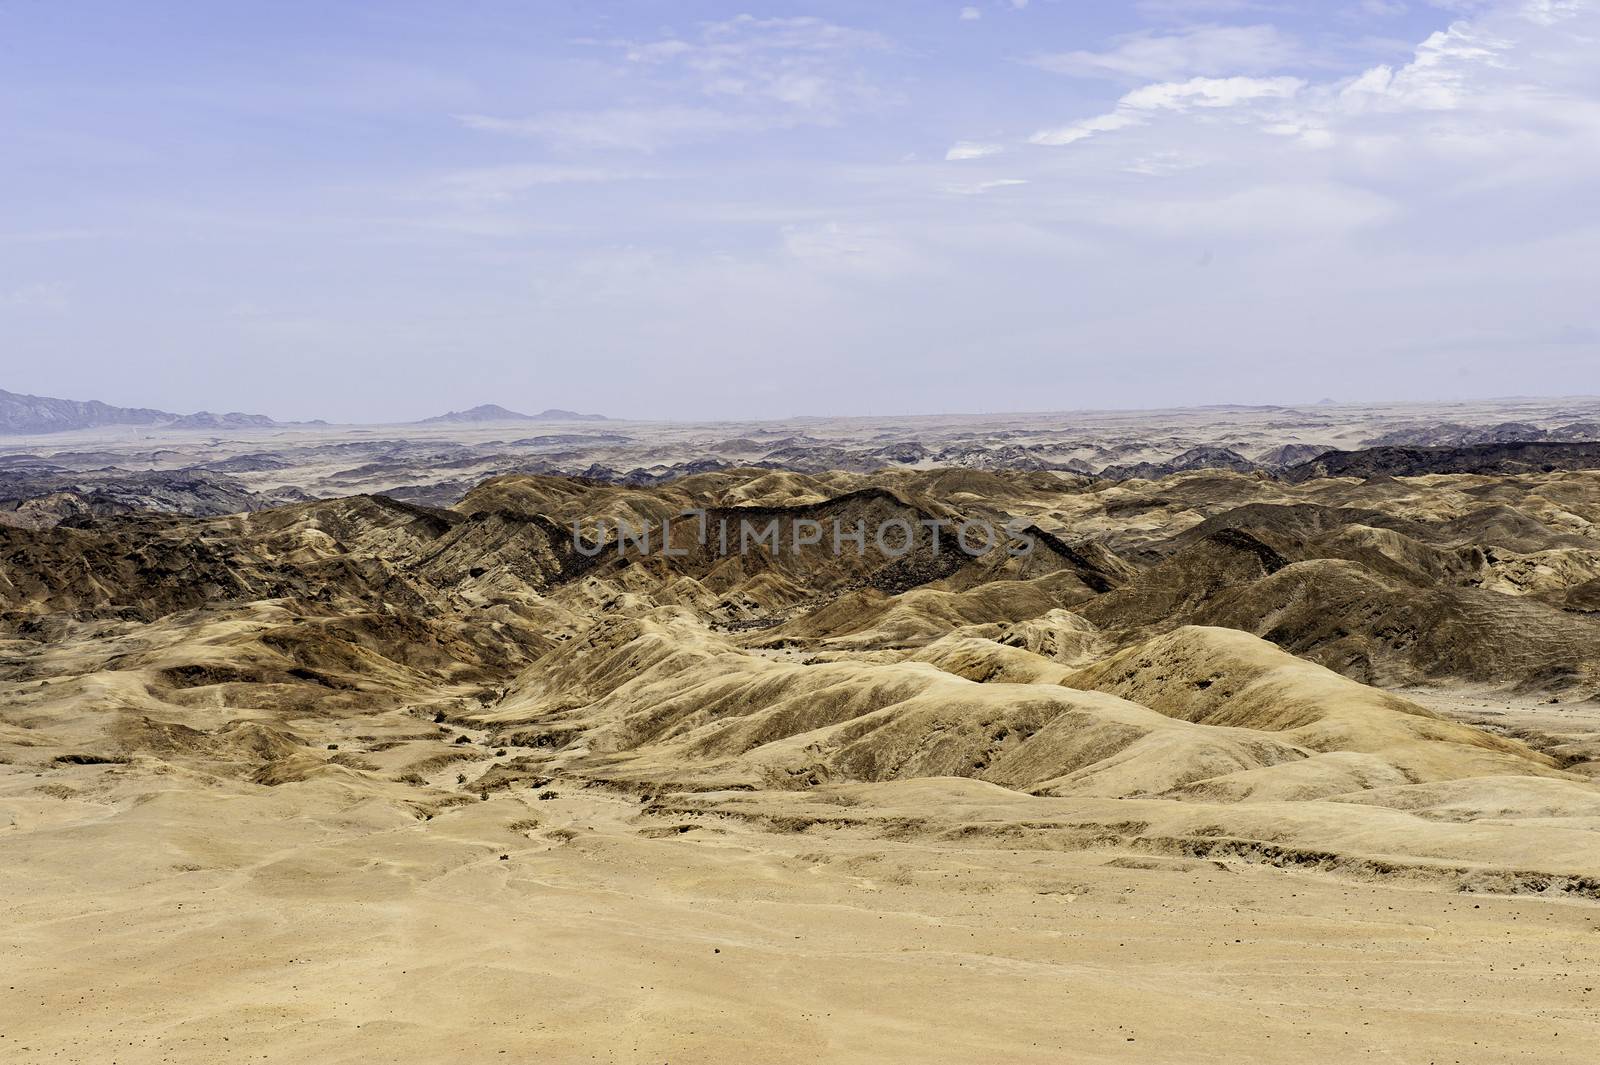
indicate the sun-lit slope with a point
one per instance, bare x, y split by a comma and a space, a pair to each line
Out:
1199, 713
1057, 634
1226, 677
870, 617
709, 713
990, 661
659, 697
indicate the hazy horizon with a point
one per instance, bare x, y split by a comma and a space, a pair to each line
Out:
711, 211
532, 410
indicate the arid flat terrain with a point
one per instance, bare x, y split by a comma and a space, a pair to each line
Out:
226, 467
1293, 761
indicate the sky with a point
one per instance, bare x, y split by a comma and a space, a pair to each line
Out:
699, 210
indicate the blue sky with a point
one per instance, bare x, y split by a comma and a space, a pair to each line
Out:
694, 210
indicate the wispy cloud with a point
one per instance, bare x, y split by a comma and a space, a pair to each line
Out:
642, 129
972, 150
1135, 108
741, 75
978, 188
800, 63
1077, 131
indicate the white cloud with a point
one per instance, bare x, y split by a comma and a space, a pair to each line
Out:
970, 14
1210, 92
977, 188
1087, 128
1135, 108
1203, 50
1501, 102
1439, 75
972, 150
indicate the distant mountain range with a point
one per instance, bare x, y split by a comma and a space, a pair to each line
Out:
42, 414
23, 414
493, 412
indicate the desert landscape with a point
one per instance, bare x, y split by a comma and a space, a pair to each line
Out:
1251, 746
1008, 532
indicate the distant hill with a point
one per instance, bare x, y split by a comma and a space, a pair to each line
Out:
1515, 457
24, 414
42, 414
1454, 434
493, 412
556, 414
1205, 457
232, 420
1285, 455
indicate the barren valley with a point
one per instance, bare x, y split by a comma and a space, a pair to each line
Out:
1271, 734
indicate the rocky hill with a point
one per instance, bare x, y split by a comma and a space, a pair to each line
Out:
21, 413
493, 412
1496, 458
